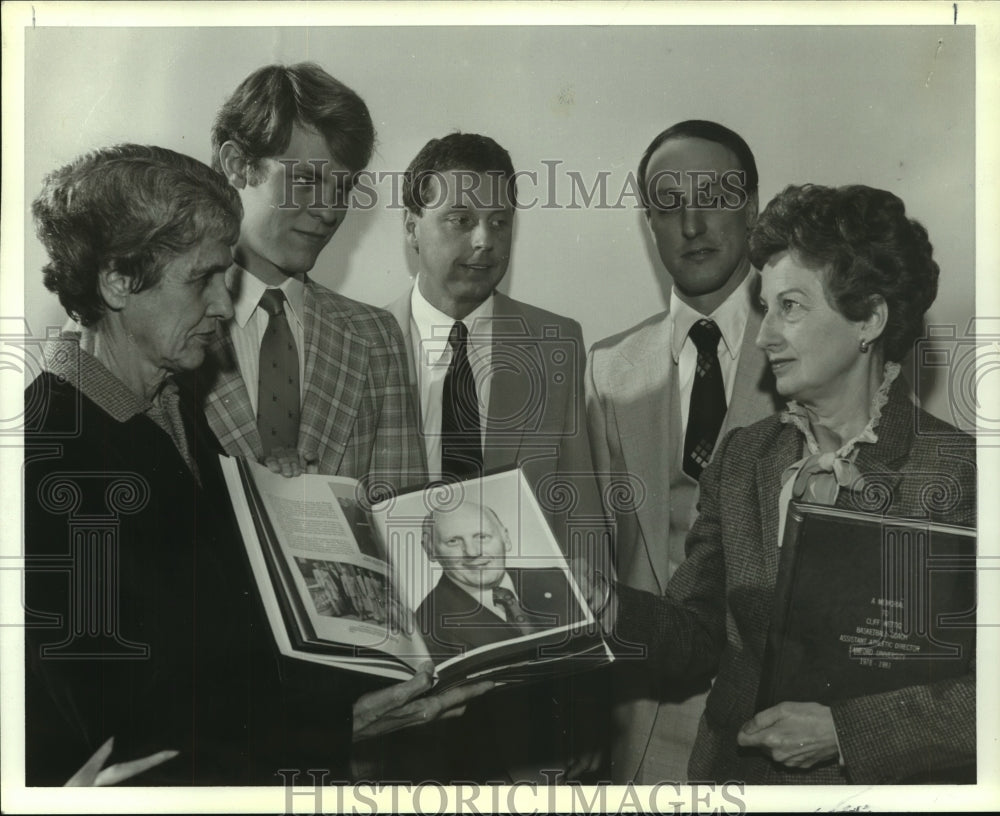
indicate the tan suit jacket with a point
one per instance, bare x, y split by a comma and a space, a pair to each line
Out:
631, 397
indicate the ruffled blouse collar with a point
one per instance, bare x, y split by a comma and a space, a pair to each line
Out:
818, 476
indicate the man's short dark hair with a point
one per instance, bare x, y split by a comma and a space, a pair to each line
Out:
711, 132
260, 115
456, 151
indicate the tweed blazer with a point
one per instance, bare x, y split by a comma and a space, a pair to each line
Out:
357, 416
536, 416
718, 603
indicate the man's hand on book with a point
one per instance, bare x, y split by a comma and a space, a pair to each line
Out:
386, 710
93, 774
798, 735
289, 462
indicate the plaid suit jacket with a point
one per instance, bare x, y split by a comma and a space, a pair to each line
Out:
358, 415
718, 603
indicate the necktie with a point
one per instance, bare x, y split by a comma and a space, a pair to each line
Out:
278, 378
461, 444
516, 616
708, 399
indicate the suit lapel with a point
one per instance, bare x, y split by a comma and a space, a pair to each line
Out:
787, 449
227, 406
513, 382
754, 396
401, 310
336, 365
878, 462
651, 374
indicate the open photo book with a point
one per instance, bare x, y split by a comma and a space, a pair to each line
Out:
468, 575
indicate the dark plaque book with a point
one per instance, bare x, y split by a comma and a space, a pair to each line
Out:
866, 604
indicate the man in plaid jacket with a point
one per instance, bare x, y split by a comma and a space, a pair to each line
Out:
291, 140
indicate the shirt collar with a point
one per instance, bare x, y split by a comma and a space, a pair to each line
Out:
247, 289
485, 595
434, 326
730, 316
69, 357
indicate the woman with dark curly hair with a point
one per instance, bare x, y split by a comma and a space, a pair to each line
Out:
846, 279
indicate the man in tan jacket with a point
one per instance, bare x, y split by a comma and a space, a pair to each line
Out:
653, 425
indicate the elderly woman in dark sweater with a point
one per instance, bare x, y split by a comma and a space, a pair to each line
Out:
846, 279
148, 628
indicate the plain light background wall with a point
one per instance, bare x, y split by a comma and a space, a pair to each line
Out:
888, 106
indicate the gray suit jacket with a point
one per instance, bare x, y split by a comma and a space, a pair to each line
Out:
536, 421
536, 414
630, 402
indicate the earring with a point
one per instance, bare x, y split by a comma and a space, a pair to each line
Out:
864, 345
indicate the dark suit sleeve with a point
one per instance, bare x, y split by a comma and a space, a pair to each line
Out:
398, 452
685, 630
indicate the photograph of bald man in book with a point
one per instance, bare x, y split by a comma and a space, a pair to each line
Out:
482, 571
478, 599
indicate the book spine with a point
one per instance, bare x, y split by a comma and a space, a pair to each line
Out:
771, 670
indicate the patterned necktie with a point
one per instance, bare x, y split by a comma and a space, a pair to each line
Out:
516, 616
708, 399
461, 443
277, 378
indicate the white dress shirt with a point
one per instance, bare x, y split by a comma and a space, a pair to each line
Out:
731, 318
429, 330
250, 322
